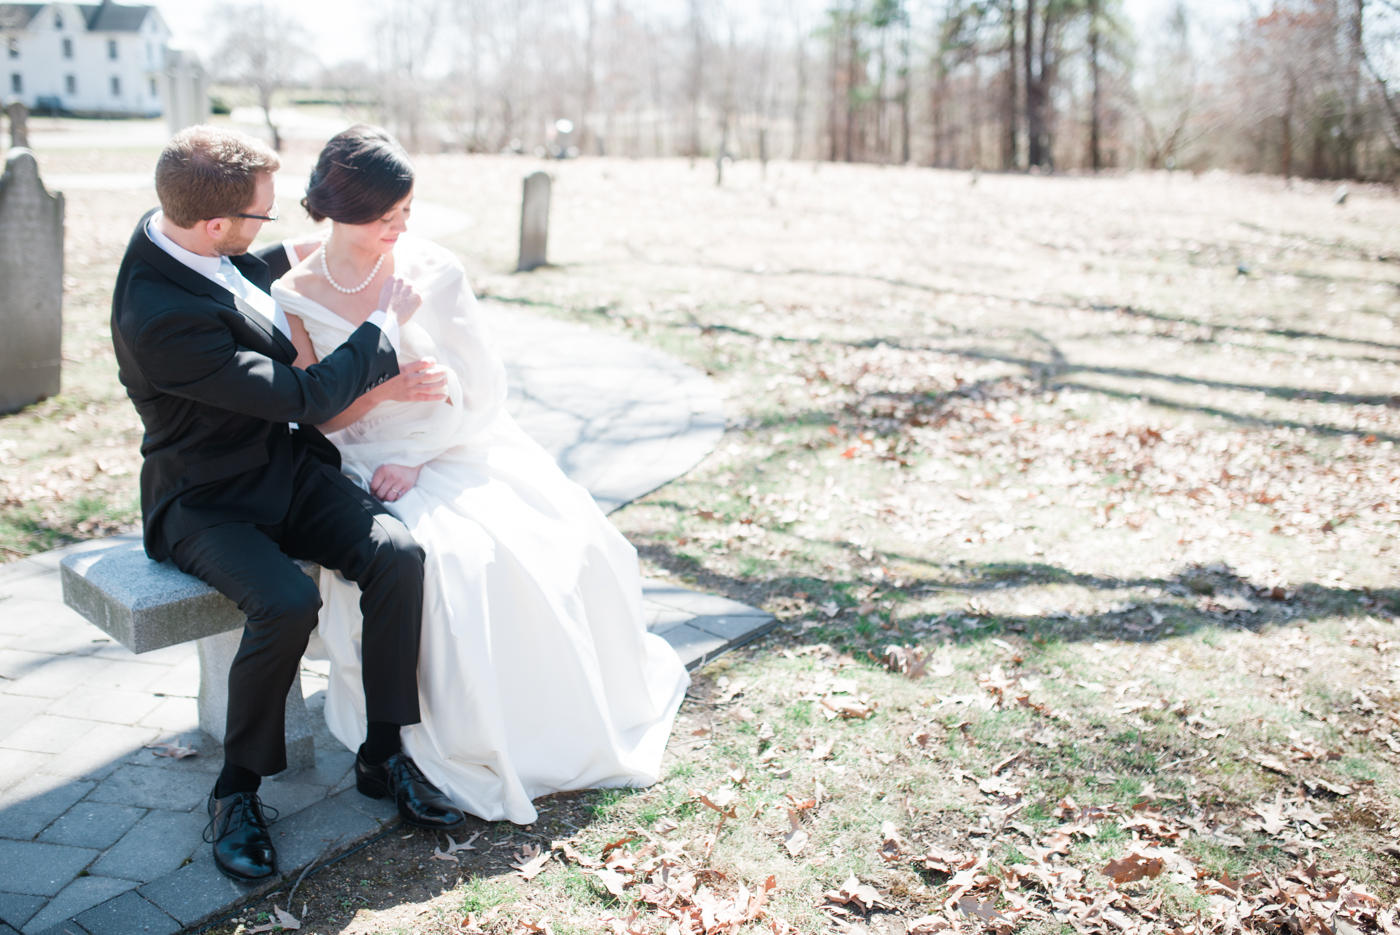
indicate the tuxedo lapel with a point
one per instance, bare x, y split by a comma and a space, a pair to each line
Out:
274, 335
173, 269
254, 269
186, 278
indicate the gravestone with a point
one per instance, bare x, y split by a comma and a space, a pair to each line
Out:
31, 284
19, 124
186, 90
534, 222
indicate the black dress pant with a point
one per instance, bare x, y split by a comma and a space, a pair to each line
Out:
334, 523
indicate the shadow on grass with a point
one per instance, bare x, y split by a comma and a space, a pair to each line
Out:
397, 869
1200, 598
1047, 374
1065, 305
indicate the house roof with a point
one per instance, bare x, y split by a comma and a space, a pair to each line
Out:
101, 17
111, 17
18, 15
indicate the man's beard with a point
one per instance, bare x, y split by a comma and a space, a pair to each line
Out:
233, 244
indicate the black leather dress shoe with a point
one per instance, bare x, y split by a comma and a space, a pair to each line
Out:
238, 830
421, 803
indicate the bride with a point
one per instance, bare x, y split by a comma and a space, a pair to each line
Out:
536, 672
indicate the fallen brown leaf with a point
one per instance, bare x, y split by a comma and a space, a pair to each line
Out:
942, 861
614, 882
796, 838
281, 919
893, 847
572, 853
863, 895
530, 861
172, 750
1133, 867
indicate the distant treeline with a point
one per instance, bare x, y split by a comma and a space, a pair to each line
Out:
1301, 89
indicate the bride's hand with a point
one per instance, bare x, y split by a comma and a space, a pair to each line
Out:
392, 481
422, 381
399, 296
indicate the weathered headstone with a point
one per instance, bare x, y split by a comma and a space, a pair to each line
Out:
534, 222
19, 124
186, 90
31, 284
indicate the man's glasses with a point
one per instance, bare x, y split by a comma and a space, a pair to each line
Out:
261, 217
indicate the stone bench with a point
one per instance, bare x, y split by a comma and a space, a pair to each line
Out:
146, 605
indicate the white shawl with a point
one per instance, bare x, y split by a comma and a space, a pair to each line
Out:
448, 327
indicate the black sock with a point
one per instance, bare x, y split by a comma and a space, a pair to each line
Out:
236, 779
381, 742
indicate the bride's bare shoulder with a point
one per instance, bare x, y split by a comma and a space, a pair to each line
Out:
301, 279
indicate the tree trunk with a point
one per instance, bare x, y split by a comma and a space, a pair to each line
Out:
832, 118
1287, 145
1096, 103
799, 104
585, 134
1034, 130
697, 37
1038, 76
904, 150
1350, 167
1008, 114
939, 116
656, 95
882, 134
852, 82
265, 101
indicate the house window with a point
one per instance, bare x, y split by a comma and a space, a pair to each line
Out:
154, 92
70, 84
16, 83
116, 86
13, 45
112, 49
58, 21
67, 48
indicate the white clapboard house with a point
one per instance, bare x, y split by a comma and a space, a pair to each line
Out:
101, 60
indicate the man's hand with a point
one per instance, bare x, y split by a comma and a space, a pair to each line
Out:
421, 381
392, 481
398, 297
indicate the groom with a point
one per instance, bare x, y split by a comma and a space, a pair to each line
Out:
237, 483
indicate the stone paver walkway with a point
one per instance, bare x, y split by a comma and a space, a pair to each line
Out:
99, 836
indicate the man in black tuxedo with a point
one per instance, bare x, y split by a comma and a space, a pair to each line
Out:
237, 482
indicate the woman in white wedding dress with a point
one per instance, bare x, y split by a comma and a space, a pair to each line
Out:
536, 671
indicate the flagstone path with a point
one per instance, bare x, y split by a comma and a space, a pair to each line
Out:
99, 836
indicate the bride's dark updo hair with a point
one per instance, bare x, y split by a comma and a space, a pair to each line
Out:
360, 174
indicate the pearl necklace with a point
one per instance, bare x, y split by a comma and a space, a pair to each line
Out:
361, 287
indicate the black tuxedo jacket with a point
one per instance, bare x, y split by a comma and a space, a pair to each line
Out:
275, 256
215, 388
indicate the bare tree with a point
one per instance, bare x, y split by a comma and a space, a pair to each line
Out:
1306, 86
1010, 98
1168, 100
407, 32
261, 48
696, 78
799, 99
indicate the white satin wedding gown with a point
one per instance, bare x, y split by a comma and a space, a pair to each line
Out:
536, 673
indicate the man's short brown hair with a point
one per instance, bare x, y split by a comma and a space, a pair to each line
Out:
208, 172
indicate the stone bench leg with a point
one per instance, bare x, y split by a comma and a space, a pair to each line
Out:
215, 658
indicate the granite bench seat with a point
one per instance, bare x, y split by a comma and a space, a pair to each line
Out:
146, 605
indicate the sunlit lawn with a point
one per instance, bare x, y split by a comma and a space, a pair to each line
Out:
1108, 462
